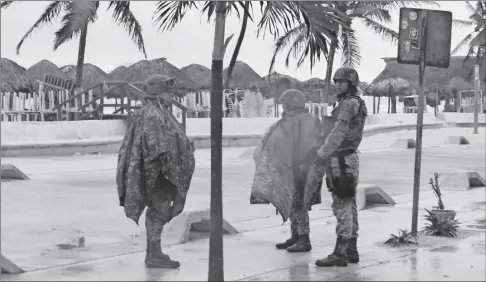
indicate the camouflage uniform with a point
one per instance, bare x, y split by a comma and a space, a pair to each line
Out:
155, 167
294, 101
342, 142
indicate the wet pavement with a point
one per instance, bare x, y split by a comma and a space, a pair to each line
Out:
69, 215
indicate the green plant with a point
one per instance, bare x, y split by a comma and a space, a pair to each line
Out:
404, 237
439, 225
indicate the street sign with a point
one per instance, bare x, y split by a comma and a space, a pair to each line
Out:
424, 40
437, 34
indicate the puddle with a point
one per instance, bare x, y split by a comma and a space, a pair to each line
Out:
77, 243
480, 224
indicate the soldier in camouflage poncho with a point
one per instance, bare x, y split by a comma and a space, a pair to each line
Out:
155, 167
282, 161
342, 174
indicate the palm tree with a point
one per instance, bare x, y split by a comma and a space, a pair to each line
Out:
475, 40
373, 14
277, 16
77, 15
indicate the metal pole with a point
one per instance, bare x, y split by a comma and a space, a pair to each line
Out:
420, 119
476, 98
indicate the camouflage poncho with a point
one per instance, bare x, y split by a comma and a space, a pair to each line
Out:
154, 143
283, 149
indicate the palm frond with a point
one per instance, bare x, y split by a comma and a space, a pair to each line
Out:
169, 13
481, 7
285, 41
232, 6
350, 51
462, 23
402, 4
79, 15
278, 16
311, 39
50, 13
371, 11
470, 8
381, 30
124, 17
465, 41
479, 39
5, 4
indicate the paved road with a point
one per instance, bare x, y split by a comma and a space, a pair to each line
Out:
73, 197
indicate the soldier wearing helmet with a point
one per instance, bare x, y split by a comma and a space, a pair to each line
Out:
155, 167
339, 150
282, 161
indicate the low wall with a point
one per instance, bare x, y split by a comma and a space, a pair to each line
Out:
69, 137
464, 119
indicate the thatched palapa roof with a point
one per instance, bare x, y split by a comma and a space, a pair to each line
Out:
119, 74
14, 77
244, 77
435, 78
43, 68
142, 70
200, 74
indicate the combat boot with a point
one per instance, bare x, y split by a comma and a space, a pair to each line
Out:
302, 245
352, 251
289, 242
155, 258
338, 257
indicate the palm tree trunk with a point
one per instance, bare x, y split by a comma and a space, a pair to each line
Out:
231, 66
81, 51
216, 266
393, 104
330, 62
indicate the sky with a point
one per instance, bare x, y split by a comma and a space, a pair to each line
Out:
190, 42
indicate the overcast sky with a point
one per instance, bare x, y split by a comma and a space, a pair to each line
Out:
108, 46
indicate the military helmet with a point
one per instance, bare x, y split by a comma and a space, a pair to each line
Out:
348, 74
294, 98
158, 83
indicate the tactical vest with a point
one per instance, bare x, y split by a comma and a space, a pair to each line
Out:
353, 137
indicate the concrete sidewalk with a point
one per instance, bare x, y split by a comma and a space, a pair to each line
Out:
252, 256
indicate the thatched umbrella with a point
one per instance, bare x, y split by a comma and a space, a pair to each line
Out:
43, 68
14, 77
391, 88
119, 74
200, 74
244, 77
142, 70
452, 88
316, 87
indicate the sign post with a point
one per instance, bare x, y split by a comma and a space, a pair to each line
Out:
424, 40
476, 98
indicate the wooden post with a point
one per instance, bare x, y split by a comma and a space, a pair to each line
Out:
420, 120
476, 98
102, 101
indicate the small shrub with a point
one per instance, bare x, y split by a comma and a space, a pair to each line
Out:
440, 226
404, 237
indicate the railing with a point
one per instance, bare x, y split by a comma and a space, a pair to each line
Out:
133, 93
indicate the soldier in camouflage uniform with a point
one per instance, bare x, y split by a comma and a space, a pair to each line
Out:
339, 150
155, 167
306, 135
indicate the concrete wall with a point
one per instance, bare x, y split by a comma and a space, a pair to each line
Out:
47, 132
460, 118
